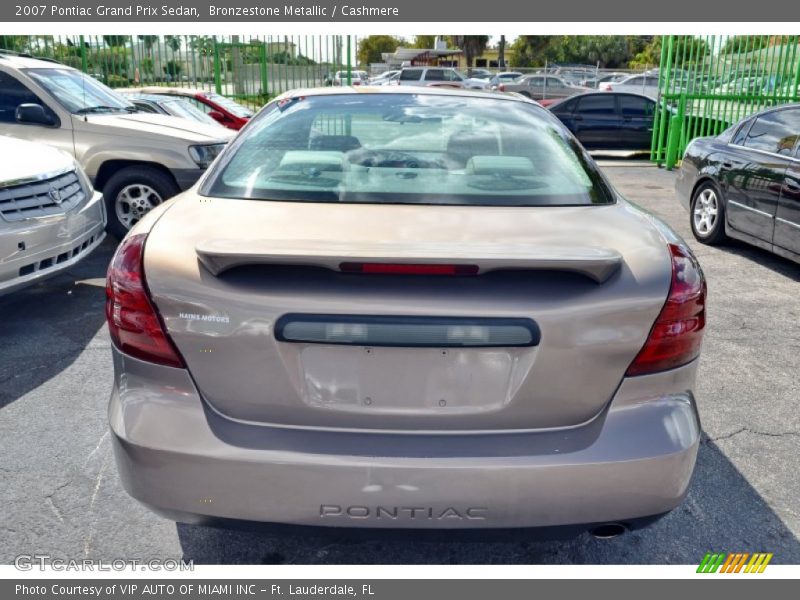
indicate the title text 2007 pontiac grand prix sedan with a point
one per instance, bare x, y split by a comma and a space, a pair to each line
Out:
405, 308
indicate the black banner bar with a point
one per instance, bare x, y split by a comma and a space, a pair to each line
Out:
732, 587
265, 11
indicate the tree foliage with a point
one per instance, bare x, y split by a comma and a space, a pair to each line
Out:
686, 50
425, 41
173, 42
148, 41
470, 45
115, 41
173, 68
371, 47
748, 43
607, 51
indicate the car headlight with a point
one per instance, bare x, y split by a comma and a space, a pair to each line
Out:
83, 178
205, 155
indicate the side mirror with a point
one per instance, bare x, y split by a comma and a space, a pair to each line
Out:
33, 114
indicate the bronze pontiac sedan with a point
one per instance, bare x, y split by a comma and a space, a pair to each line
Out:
405, 308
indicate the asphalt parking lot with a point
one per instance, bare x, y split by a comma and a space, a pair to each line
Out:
60, 494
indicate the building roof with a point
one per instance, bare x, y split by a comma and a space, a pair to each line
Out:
401, 55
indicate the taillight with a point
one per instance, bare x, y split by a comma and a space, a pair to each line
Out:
407, 269
502, 87
677, 334
133, 322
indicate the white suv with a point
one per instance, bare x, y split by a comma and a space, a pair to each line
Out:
137, 160
439, 77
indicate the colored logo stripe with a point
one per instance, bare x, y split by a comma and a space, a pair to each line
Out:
710, 563
734, 562
758, 563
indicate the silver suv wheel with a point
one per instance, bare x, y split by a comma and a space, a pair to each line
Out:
134, 201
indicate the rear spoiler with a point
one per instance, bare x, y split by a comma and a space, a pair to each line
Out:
220, 255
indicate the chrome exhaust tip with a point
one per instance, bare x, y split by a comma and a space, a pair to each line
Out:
608, 531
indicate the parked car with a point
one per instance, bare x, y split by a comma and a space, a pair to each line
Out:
637, 84
224, 111
574, 76
50, 217
389, 80
479, 74
594, 81
138, 160
505, 77
745, 183
439, 77
541, 87
447, 321
608, 121
167, 105
384, 77
356, 78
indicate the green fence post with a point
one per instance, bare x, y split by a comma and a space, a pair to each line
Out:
262, 59
84, 59
796, 83
658, 116
217, 73
675, 134
665, 121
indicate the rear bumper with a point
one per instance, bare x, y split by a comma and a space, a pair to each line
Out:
35, 249
188, 463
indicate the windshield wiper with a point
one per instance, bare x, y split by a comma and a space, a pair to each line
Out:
101, 108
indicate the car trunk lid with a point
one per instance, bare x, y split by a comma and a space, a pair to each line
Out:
226, 275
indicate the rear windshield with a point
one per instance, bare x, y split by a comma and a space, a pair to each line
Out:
407, 148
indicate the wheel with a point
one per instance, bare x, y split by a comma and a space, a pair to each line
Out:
707, 215
132, 192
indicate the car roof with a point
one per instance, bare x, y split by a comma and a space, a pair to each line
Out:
24, 61
645, 75
171, 91
612, 93
772, 109
600, 93
156, 98
406, 91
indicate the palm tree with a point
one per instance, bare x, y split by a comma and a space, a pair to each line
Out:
470, 45
115, 41
173, 42
148, 41
501, 52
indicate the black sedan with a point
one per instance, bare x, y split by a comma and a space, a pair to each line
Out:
609, 120
745, 183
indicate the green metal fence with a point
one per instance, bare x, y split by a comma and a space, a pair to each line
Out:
251, 69
706, 84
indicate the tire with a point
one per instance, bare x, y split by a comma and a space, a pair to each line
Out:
133, 191
707, 215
